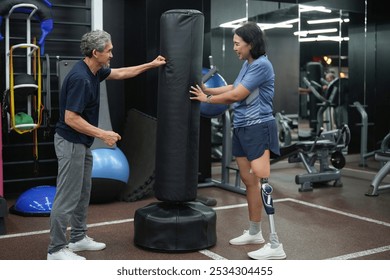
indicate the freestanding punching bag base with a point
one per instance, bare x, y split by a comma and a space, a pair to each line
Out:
180, 227
177, 222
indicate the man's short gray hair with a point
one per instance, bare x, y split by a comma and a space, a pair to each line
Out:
94, 40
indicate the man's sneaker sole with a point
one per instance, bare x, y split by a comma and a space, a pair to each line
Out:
86, 244
64, 254
80, 248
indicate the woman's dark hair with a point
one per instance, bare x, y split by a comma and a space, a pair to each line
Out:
252, 34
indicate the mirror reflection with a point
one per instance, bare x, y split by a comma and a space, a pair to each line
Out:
308, 46
323, 39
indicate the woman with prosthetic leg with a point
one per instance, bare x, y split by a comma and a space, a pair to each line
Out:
254, 129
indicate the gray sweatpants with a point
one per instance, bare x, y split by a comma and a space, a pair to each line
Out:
73, 191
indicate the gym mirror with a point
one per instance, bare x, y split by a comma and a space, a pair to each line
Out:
296, 34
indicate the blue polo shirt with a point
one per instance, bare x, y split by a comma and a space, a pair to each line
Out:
80, 93
258, 77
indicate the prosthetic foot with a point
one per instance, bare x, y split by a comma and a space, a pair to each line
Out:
272, 250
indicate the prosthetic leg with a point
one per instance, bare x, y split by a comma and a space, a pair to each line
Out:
274, 249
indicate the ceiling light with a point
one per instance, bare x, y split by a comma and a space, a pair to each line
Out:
327, 60
264, 26
332, 38
304, 33
282, 24
328, 20
323, 38
294, 20
234, 23
305, 8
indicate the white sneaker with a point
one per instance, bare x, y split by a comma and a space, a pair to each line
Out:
268, 253
86, 244
64, 254
246, 238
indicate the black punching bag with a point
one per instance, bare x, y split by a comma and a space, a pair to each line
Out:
178, 118
178, 222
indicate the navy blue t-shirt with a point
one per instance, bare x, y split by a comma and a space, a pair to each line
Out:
80, 93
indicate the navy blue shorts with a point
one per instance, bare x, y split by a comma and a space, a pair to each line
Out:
252, 141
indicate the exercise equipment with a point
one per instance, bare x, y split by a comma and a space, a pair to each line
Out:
212, 80
383, 155
178, 120
287, 124
23, 94
213, 111
226, 160
23, 86
364, 154
175, 227
110, 164
110, 174
327, 148
335, 99
337, 94
314, 73
36, 201
177, 222
41, 10
323, 106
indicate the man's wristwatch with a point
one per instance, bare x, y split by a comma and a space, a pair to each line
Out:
208, 98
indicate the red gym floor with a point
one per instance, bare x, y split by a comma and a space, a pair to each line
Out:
327, 223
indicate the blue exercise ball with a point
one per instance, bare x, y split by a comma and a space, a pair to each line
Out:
110, 164
208, 110
36, 201
110, 174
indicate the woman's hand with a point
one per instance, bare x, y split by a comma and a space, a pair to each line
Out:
198, 94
